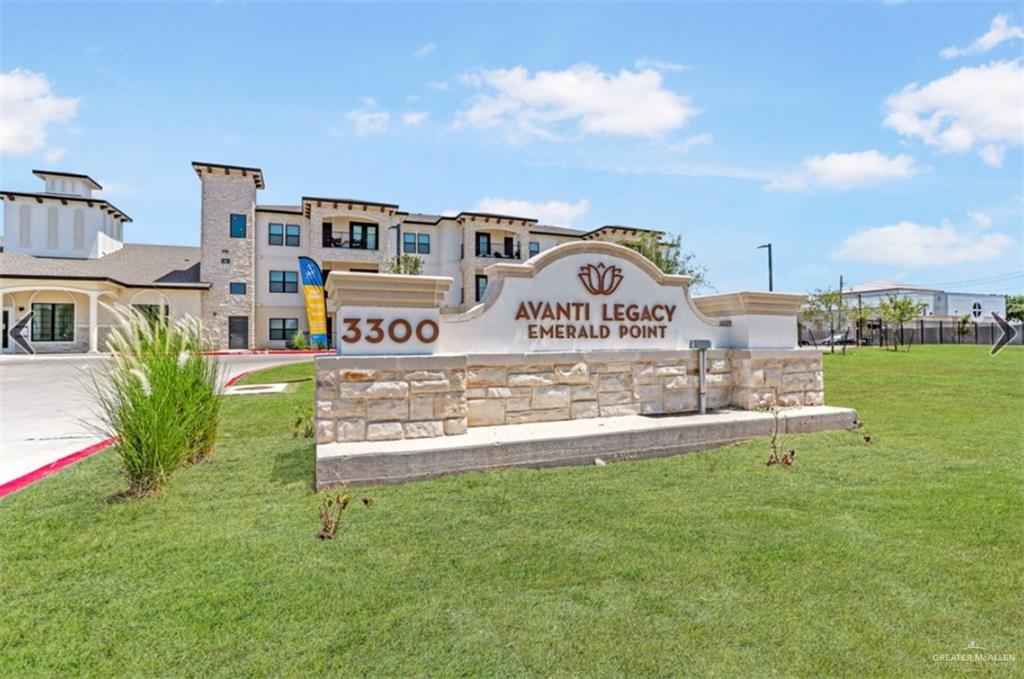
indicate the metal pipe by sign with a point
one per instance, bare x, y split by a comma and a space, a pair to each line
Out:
702, 347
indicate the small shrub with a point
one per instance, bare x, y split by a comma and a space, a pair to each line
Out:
302, 423
775, 458
299, 341
330, 512
159, 398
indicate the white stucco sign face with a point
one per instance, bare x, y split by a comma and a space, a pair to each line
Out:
579, 301
574, 297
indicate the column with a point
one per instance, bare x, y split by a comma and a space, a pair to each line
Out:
93, 327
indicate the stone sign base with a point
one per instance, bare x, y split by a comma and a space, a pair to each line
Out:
548, 444
377, 398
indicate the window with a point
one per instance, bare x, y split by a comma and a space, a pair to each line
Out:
276, 234
79, 234
976, 310
236, 288
283, 328
481, 286
53, 322
534, 248
483, 244
291, 235
51, 228
237, 226
284, 281
409, 243
26, 226
154, 312
423, 243
362, 236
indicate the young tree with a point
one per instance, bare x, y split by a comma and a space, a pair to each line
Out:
899, 310
669, 256
1015, 308
827, 308
409, 265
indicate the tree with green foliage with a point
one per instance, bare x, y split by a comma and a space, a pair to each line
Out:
669, 256
826, 308
896, 311
1015, 308
409, 265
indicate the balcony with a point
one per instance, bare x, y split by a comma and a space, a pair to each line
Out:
343, 240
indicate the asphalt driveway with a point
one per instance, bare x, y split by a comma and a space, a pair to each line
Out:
45, 408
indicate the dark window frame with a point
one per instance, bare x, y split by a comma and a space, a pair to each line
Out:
233, 287
483, 236
423, 243
364, 242
49, 314
286, 281
292, 235
534, 248
284, 331
238, 221
409, 243
480, 292
275, 236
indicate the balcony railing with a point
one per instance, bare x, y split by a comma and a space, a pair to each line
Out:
342, 240
500, 254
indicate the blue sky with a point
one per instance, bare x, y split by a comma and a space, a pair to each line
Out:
869, 140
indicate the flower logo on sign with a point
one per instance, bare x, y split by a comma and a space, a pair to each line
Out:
600, 279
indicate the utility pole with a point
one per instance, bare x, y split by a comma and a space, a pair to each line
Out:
839, 310
771, 286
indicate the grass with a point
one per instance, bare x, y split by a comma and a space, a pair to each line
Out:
863, 559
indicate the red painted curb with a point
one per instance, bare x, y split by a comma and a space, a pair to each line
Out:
52, 468
269, 352
234, 380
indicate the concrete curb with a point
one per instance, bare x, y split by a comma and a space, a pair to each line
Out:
551, 444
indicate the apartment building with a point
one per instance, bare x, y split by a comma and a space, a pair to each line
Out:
65, 258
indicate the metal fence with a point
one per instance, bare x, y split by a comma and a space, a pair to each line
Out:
880, 334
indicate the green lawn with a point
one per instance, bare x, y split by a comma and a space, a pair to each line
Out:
863, 559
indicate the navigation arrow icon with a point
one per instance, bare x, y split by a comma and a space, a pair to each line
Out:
1009, 332
18, 332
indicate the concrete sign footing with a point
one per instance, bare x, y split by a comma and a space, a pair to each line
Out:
550, 444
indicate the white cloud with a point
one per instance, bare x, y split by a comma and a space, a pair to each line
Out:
642, 64
998, 32
846, 171
979, 106
691, 142
915, 245
992, 154
369, 122
551, 212
29, 108
437, 85
425, 50
414, 117
980, 219
582, 96
53, 155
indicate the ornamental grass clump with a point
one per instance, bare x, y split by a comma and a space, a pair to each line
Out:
159, 398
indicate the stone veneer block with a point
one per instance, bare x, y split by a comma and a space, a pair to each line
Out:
387, 409
351, 430
484, 412
486, 377
418, 430
551, 397
384, 431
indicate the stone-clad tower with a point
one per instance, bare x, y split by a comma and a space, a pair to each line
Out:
228, 233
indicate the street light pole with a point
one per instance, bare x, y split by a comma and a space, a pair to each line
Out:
771, 286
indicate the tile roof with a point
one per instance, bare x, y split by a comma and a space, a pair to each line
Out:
134, 265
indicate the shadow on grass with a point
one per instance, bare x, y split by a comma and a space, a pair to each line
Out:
295, 462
